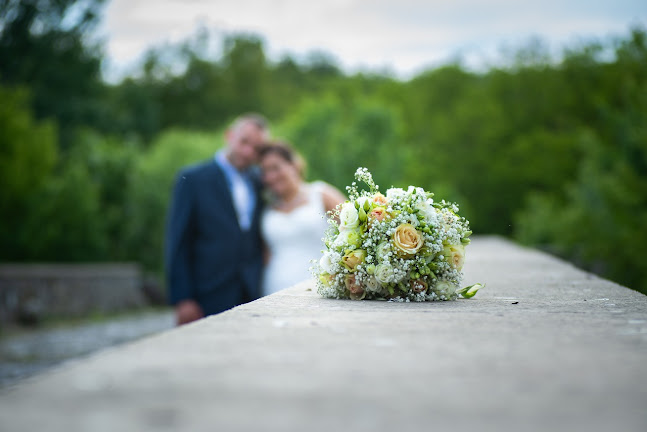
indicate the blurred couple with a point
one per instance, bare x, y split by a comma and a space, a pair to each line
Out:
244, 224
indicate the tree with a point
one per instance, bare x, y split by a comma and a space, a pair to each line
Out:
337, 135
597, 218
150, 189
244, 73
28, 153
43, 47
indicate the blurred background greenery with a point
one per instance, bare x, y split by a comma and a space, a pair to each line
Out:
551, 153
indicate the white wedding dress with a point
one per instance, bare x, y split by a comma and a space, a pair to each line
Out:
293, 239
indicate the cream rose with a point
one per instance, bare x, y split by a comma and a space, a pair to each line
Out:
352, 259
348, 217
377, 214
356, 290
326, 279
407, 240
380, 199
455, 255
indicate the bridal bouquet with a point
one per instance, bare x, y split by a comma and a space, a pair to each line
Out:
401, 246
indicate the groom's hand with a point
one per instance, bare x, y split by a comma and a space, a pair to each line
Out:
187, 311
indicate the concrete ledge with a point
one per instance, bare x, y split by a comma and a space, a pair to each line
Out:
544, 347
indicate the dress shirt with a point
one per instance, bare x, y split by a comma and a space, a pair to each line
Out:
242, 190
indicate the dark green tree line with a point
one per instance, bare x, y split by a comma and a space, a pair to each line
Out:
43, 47
550, 152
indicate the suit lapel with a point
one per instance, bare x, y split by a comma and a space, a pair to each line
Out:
218, 182
258, 190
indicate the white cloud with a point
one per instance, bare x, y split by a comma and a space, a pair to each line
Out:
403, 35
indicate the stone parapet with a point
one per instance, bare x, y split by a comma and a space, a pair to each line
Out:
544, 346
30, 292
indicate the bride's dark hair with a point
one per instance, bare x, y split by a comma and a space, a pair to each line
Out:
286, 152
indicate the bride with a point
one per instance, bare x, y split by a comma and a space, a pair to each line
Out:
294, 221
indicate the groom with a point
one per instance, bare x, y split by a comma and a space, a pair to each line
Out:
213, 252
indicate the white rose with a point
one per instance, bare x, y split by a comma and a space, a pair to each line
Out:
372, 284
428, 211
448, 219
383, 250
348, 238
394, 193
348, 217
384, 273
327, 264
418, 190
444, 288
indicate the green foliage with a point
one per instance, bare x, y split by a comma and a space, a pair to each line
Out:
42, 46
597, 218
152, 181
71, 211
64, 221
553, 153
135, 112
27, 156
27, 148
599, 222
208, 92
110, 165
336, 135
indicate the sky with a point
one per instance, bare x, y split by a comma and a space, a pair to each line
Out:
402, 37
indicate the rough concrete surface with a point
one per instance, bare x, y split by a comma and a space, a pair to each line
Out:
544, 346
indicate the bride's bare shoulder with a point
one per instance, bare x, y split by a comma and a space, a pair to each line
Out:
330, 195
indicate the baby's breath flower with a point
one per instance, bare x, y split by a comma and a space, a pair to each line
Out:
365, 259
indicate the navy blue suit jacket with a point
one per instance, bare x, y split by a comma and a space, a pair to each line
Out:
208, 257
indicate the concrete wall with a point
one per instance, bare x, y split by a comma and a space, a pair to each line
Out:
30, 292
544, 347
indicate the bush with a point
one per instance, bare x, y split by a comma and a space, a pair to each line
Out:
152, 181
